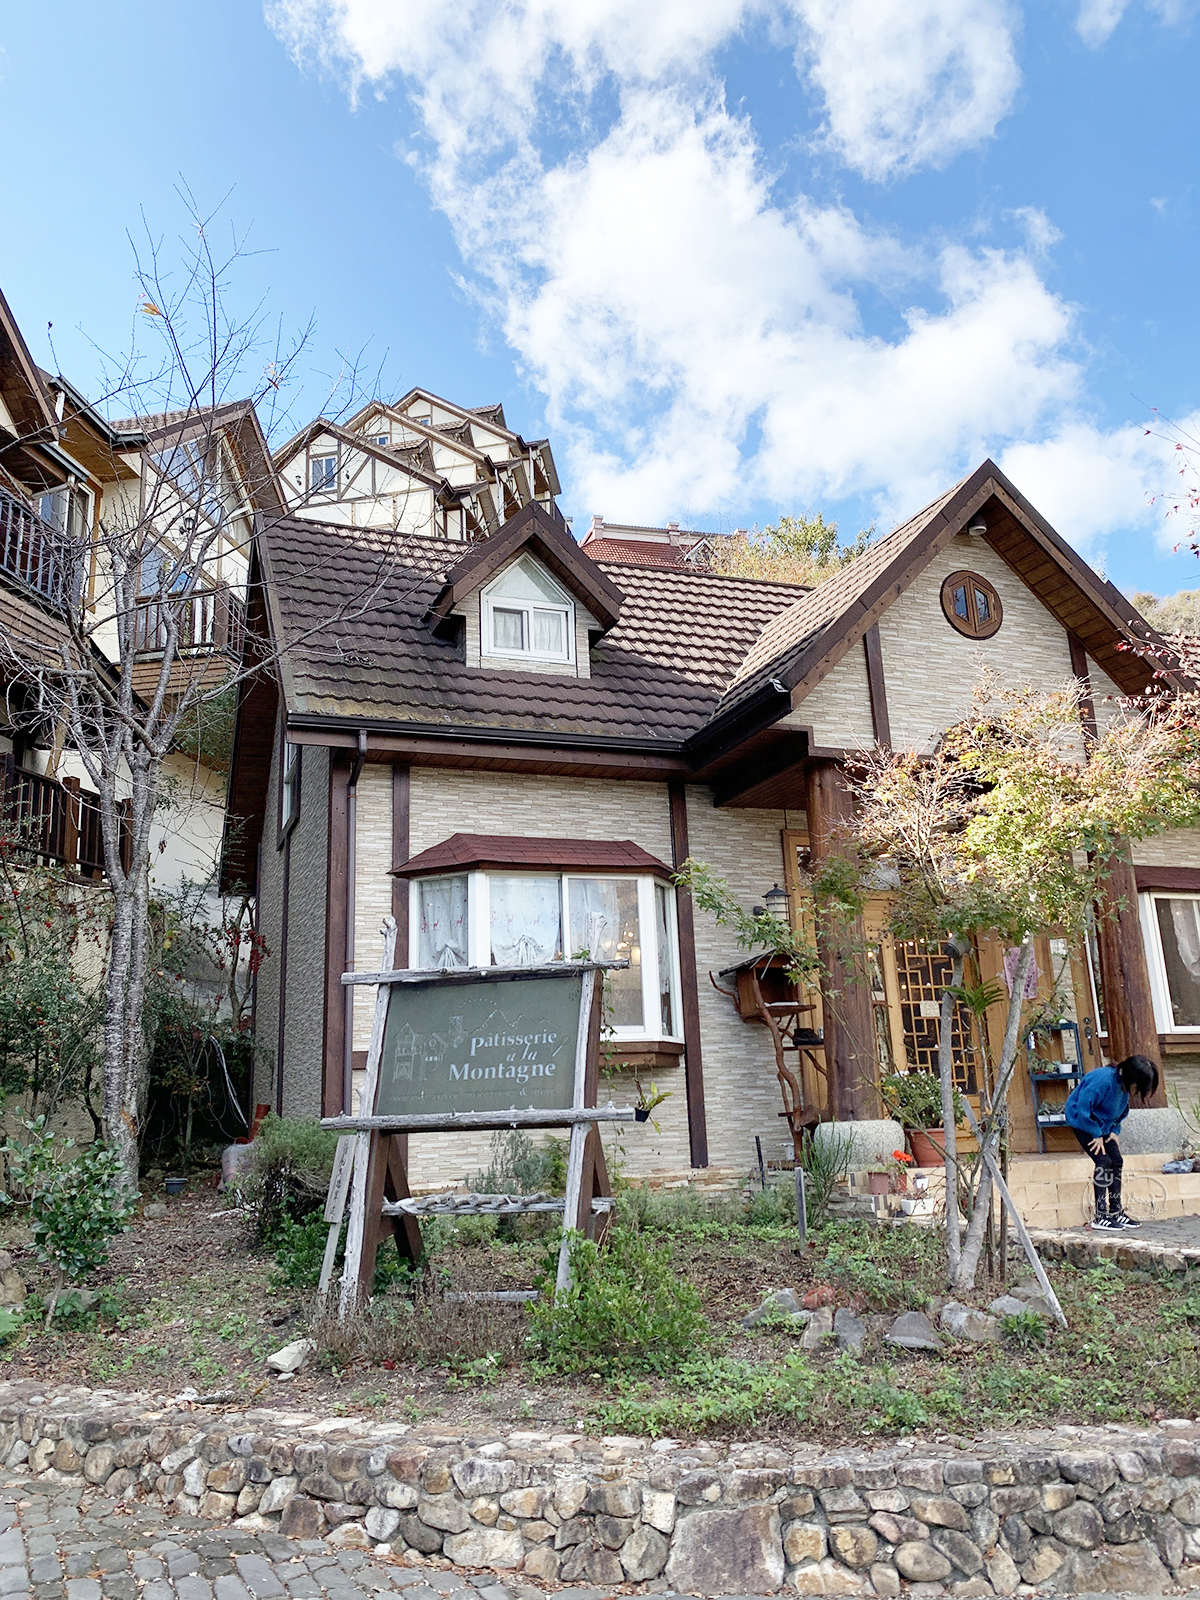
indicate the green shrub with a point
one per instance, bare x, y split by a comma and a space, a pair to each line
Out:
287, 1176
521, 1167
826, 1162
77, 1205
627, 1310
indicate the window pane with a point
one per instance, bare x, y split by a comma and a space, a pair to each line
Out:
668, 1003
960, 603
527, 580
508, 629
526, 920
1179, 926
324, 472
549, 633
604, 923
442, 922
983, 608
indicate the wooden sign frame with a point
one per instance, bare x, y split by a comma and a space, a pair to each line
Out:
371, 1165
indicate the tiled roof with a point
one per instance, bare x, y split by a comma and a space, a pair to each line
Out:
634, 552
465, 850
351, 605
792, 632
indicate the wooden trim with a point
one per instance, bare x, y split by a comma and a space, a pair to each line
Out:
1079, 669
435, 750
876, 687
1163, 879
337, 1008
689, 999
283, 965
401, 850
644, 1055
968, 626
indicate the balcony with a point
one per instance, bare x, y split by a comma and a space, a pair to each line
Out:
206, 620
54, 824
33, 552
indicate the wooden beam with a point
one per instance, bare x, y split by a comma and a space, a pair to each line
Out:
337, 1004
850, 1051
1124, 970
689, 1000
876, 687
1079, 669
401, 833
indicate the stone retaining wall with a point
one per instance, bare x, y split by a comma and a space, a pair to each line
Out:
1073, 1511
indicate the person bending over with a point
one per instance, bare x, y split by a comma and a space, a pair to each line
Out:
1095, 1110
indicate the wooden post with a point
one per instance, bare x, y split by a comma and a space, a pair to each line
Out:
850, 1056
359, 1221
71, 823
689, 999
1129, 1007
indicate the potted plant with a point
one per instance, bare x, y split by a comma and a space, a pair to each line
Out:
646, 1102
914, 1099
898, 1171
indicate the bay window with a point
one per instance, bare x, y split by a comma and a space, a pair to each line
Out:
522, 919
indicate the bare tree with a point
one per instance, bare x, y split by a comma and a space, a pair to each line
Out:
170, 547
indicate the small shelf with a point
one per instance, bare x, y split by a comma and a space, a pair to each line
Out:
1050, 1114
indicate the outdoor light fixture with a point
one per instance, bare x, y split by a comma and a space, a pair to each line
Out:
776, 902
978, 528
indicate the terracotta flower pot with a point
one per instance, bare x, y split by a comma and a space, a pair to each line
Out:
879, 1182
927, 1151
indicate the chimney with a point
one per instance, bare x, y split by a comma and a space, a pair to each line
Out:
673, 532
596, 530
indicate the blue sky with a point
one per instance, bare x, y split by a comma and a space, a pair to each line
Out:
736, 257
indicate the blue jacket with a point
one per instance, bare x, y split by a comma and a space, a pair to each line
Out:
1098, 1105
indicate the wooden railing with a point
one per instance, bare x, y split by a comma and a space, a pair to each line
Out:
207, 619
33, 552
54, 823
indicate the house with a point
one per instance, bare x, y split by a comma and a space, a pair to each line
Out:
510, 747
65, 473
671, 546
420, 466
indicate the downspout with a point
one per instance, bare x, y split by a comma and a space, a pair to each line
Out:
351, 872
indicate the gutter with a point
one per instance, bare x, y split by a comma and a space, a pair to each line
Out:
351, 874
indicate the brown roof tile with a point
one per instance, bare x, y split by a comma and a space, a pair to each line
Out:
351, 604
465, 850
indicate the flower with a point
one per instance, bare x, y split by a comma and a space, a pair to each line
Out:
902, 1155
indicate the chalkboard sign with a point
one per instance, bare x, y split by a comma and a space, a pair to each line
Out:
486, 1046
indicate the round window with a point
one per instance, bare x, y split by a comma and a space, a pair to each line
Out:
971, 605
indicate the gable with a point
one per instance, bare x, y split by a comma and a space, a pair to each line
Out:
930, 669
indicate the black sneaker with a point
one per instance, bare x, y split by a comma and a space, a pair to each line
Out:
1124, 1220
1105, 1225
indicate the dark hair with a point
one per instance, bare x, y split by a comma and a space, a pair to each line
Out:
1138, 1075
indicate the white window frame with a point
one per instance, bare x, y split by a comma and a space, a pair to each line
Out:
329, 486
1160, 991
489, 604
479, 950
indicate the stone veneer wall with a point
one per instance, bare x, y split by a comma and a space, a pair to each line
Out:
1083, 1510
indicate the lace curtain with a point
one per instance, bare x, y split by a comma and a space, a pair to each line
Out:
604, 922
526, 921
442, 923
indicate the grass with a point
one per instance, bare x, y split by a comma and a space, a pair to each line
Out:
190, 1301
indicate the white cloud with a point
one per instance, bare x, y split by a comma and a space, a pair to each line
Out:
1096, 20
700, 342
910, 83
1089, 482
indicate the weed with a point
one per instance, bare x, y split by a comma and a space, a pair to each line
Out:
714, 1394
11, 1323
287, 1178
1024, 1330
521, 1167
825, 1161
424, 1331
481, 1372
627, 1310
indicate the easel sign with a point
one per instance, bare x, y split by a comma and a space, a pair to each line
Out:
478, 1048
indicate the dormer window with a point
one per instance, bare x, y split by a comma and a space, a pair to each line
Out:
526, 613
